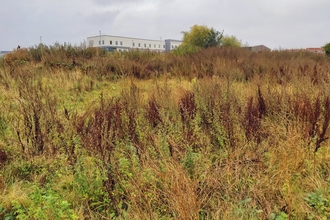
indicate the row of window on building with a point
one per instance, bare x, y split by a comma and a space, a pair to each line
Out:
145, 45
138, 45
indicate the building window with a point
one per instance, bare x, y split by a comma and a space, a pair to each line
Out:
133, 44
145, 45
121, 43
111, 42
172, 46
163, 46
158, 45
103, 42
116, 42
99, 42
154, 45
149, 45
139, 45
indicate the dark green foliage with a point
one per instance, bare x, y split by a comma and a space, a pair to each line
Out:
214, 38
327, 49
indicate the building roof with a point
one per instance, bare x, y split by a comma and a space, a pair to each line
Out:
105, 35
173, 40
261, 46
315, 48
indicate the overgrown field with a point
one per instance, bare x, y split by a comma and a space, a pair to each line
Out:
219, 134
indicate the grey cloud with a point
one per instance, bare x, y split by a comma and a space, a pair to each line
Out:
294, 23
101, 18
117, 2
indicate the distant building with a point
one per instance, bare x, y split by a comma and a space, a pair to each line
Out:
112, 43
319, 50
316, 50
171, 44
2, 53
259, 48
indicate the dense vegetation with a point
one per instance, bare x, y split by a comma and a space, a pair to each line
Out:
327, 49
218, 134
199, 36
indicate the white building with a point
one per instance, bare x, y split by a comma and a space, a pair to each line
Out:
111, 43
171, 44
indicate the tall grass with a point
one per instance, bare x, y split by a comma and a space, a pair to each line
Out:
219, 134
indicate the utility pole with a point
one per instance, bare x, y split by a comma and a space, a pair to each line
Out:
100, 38
41, 44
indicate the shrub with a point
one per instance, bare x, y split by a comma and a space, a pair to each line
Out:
44, 205
327, 49
17, 57
36, 52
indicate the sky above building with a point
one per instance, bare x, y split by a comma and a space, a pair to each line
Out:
276, 24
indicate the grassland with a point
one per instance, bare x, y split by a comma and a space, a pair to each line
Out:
219, 134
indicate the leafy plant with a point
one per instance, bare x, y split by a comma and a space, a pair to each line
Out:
44, 205
280, 216
88, 184
319, 202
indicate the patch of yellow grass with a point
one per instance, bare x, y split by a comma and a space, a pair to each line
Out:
15, 193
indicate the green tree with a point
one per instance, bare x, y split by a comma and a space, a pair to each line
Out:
199, 36
327, 49
231, 41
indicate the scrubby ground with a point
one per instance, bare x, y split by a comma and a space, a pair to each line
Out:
219, 134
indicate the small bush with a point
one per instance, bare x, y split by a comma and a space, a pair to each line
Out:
17, 57
44, 205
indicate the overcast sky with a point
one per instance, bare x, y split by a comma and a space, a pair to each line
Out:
274, 23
